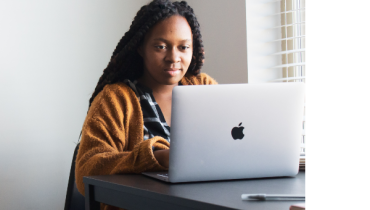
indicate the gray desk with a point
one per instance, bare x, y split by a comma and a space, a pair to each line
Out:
141, 192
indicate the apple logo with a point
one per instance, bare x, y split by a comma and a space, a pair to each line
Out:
237, 132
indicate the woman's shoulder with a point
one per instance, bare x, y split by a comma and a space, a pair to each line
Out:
113, 97
117, 90
200, 79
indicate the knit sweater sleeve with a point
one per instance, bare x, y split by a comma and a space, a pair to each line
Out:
112, 138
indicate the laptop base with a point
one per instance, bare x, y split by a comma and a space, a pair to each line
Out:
161, 175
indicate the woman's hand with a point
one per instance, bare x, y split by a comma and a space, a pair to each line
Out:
162, 157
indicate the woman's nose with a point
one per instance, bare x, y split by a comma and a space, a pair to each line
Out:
173, 55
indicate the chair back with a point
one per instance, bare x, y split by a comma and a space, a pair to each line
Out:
74, 199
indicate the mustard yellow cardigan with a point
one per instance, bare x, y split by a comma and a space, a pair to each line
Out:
112, 135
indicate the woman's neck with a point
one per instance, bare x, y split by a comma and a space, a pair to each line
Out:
157, 88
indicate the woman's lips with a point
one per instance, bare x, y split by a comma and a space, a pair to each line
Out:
172, 71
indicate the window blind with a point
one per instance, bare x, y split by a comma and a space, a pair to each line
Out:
292, 41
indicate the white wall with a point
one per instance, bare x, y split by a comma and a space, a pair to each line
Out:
52, 53
223, 25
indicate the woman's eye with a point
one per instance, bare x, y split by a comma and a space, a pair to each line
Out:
184, 47
161, 47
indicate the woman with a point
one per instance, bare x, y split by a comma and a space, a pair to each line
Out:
127, 126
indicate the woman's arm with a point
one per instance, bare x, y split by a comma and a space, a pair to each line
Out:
112, 138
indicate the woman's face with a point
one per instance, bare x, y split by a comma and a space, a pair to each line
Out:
167, 51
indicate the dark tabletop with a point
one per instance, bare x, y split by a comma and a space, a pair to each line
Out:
220, 193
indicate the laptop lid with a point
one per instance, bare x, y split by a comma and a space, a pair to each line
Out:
235, 131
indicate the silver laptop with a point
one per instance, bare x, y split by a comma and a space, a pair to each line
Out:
223, 132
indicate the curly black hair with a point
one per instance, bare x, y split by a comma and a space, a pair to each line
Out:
126, 63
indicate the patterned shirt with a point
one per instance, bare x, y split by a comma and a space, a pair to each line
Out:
154, 121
